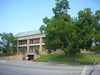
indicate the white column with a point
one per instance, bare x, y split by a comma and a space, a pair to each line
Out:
17, 45
40, 45
27, 45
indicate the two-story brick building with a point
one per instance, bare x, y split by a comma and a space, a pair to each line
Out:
31, 41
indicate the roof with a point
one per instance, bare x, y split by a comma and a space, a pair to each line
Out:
34, 32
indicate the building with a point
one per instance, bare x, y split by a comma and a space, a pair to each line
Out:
32, 41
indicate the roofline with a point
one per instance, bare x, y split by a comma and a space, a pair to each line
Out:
31, 35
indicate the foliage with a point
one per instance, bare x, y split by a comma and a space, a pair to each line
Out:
96, 49
6, 55
97, 31
71, 34
56, 27
60, 31
8, 43
62, 7
85, 26
42, 27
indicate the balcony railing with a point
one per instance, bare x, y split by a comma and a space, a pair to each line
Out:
36, 44
22, 45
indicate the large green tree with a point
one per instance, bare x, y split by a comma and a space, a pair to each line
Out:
60, 30
71, 34
7, 42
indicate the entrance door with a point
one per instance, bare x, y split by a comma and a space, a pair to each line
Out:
30, 57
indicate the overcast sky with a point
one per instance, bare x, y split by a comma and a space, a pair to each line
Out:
26, 15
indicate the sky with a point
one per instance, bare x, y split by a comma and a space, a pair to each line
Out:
26, 15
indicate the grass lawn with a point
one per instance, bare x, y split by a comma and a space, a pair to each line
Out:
7, 55
53, 57
82, 58
88, 58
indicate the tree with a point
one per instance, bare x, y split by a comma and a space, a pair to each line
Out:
8, 42
62, 7
61, 31
42, 27
69, 34
1, 48
58, 29
61, 34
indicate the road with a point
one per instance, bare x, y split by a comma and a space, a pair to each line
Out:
41, 68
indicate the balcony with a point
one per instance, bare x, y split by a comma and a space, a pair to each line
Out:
34, 41
36, 44
22, 45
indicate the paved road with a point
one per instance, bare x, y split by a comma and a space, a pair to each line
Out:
95, 70
35, 68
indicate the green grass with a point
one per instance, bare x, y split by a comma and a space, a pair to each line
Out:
53, 57
7, 55
88, 58
81, 58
